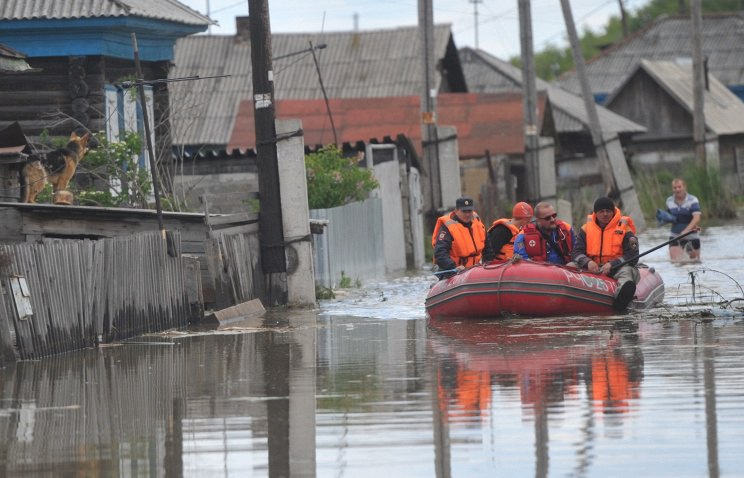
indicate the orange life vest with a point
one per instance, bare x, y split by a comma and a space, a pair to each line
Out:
535, 243
606, 245
507, 251
467, 243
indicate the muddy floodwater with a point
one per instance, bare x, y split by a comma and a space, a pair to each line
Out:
367, 386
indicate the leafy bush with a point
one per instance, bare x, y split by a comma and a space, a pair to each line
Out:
113, 167
333, 180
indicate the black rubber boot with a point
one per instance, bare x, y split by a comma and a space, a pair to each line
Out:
624, 296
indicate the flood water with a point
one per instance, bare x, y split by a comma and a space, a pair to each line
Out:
366, 386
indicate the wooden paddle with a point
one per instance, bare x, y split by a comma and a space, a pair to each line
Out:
676, 238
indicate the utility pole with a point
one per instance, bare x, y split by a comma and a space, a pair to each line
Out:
529, 105
430, 144
475, 12
698, 75
608, 178
148, 137
623, 18
273, 260
616, 176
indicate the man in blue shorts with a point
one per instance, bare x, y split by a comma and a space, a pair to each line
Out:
685, 212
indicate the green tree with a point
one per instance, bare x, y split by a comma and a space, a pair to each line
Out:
334, 180
552, 61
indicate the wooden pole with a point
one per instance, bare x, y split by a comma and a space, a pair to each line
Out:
148, 137
430, 145
529, 105
273, 259
608, 178
623, 18
698, 74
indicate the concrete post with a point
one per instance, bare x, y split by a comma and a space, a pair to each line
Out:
295, 214
449, 166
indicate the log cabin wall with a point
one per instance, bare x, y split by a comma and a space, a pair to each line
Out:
69, 92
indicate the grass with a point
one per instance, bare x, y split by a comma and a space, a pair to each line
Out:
716, 201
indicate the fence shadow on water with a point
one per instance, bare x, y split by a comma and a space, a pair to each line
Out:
64, 295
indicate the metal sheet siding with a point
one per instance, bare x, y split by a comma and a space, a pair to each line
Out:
368, 64
352, 243
170, 10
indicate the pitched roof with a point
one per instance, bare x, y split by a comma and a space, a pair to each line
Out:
362, 64
669, 38
483, 120
724, 111
486, 73
170, 10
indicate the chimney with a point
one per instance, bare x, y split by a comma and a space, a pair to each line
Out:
242, 29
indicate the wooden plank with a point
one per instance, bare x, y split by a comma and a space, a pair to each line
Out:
244, 217
252, 309
244, 229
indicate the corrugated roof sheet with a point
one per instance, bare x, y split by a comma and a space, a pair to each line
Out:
669, 38
724, 111
484, 121
365, 64
486, 73
170, 10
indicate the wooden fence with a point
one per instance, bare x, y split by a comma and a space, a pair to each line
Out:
64, 295
233, 259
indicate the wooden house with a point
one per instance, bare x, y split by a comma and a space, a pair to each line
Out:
668, 38
659, 95
576, 163
84, 54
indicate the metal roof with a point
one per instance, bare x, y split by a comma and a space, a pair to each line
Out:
170, 10
669, 38
488, 74
724, 111
361, 64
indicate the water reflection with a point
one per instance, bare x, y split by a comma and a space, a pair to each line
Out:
547, 362
208, 405
370, 397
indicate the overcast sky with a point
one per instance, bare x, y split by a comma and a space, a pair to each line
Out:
498, 20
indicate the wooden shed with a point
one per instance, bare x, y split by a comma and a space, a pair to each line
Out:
659, 95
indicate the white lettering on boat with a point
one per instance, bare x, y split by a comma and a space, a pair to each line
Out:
590, 282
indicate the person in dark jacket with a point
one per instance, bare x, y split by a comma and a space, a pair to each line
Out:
501, 234
458, 238
606, 241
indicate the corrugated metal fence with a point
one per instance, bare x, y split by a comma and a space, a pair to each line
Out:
67, 295
351, 244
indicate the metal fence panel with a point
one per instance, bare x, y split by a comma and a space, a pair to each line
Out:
351, 245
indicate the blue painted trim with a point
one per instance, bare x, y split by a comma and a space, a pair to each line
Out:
738, 90
600, 98
100, 36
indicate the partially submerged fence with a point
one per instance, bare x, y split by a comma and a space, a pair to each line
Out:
64, 295
352, 244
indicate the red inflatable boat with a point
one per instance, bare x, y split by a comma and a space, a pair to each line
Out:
534, 289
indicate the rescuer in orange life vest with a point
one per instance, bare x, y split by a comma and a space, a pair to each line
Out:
547, 240
458, 238
606, 240
501, 234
